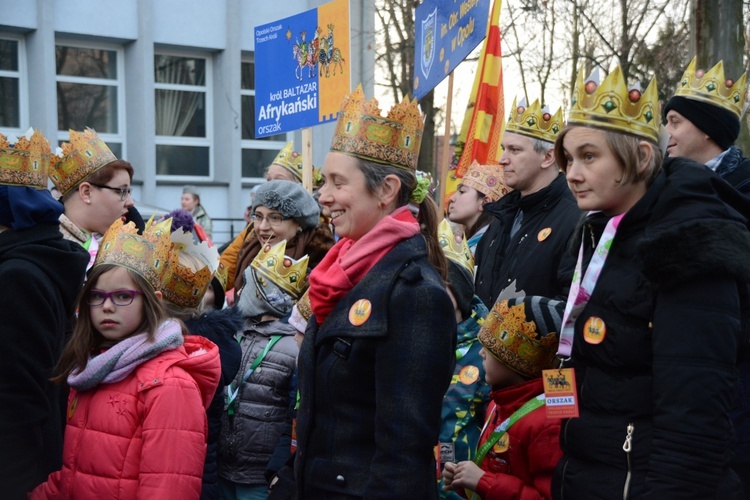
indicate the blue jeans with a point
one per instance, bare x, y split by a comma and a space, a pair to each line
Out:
236, 491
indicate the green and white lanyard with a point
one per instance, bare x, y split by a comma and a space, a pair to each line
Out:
502, 429
234, 390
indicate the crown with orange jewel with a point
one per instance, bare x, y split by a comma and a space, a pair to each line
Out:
82, 156
712, 87
455, 247
290, 160
191, 268
288, 274
534, 121
146, 254
25, 162
487, 179
612, 106
361, 131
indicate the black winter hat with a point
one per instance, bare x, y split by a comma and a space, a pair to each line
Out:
462, 286
719, 124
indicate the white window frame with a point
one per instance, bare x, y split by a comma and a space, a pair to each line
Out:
207, 89
255, 143
23, 79
120, 137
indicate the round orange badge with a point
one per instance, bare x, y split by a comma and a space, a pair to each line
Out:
468, 374
544, 233
594, 330
360, 312
502, 444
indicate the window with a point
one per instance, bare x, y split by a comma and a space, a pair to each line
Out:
90, 92
257, 153
183, 111
13, 104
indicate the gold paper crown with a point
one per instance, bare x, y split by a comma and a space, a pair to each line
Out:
612, 106
146, 254
455, 247
191, 268
290, 160
288, 274
712, 88
487, 179
26, 163
361, 131
534, 121
82, 156
514, 341
222, 274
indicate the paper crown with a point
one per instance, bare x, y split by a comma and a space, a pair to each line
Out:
613, 107
26, 162
361, 131
522, 333
146, 254
286, 273
711, 87
222, 274
534, 122
455, 247
191, 268
487, 179
290, 160
82, 156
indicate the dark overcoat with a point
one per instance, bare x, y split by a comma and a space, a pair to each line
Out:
371, 395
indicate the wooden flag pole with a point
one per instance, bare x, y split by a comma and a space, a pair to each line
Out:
307, 166
445, 159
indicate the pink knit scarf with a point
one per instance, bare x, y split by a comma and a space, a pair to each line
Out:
121, 359
349, 261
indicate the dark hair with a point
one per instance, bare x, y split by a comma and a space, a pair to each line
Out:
428, 219
102, 176
86, 339
484, 219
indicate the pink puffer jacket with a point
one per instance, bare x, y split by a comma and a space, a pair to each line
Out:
142, 437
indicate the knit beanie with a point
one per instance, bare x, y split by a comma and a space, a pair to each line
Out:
462, 287
291, 200
262, 296
721, 125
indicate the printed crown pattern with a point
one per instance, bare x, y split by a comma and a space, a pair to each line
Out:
487, 179
516, 342
222, 274
290, 160
286, 273
146, 254
185, 284
712, 87
362, 132
611, 106
455, 247
25, 162
534, 121
82, 156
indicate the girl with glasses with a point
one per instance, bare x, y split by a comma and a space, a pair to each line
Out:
136, 415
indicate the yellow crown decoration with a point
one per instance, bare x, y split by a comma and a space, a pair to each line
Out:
82, 156
712, 87
612, 106
455, 247
191, 268
487, 179
290, 160
222, 274
534, 121
25, 161
361, 131
516, 342
286, 273
146, 254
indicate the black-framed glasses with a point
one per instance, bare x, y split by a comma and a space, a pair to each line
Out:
272, 219
122, 297
124, 192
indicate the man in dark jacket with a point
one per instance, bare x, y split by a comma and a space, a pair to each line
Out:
527, 240
703, 124
41, 274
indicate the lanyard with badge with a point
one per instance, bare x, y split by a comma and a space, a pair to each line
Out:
559, 384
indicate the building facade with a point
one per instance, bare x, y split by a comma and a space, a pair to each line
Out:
168, 84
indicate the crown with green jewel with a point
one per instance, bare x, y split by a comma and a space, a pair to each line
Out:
288, 274
712, 87
534, 121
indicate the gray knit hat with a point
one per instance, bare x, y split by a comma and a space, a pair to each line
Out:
291, 200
